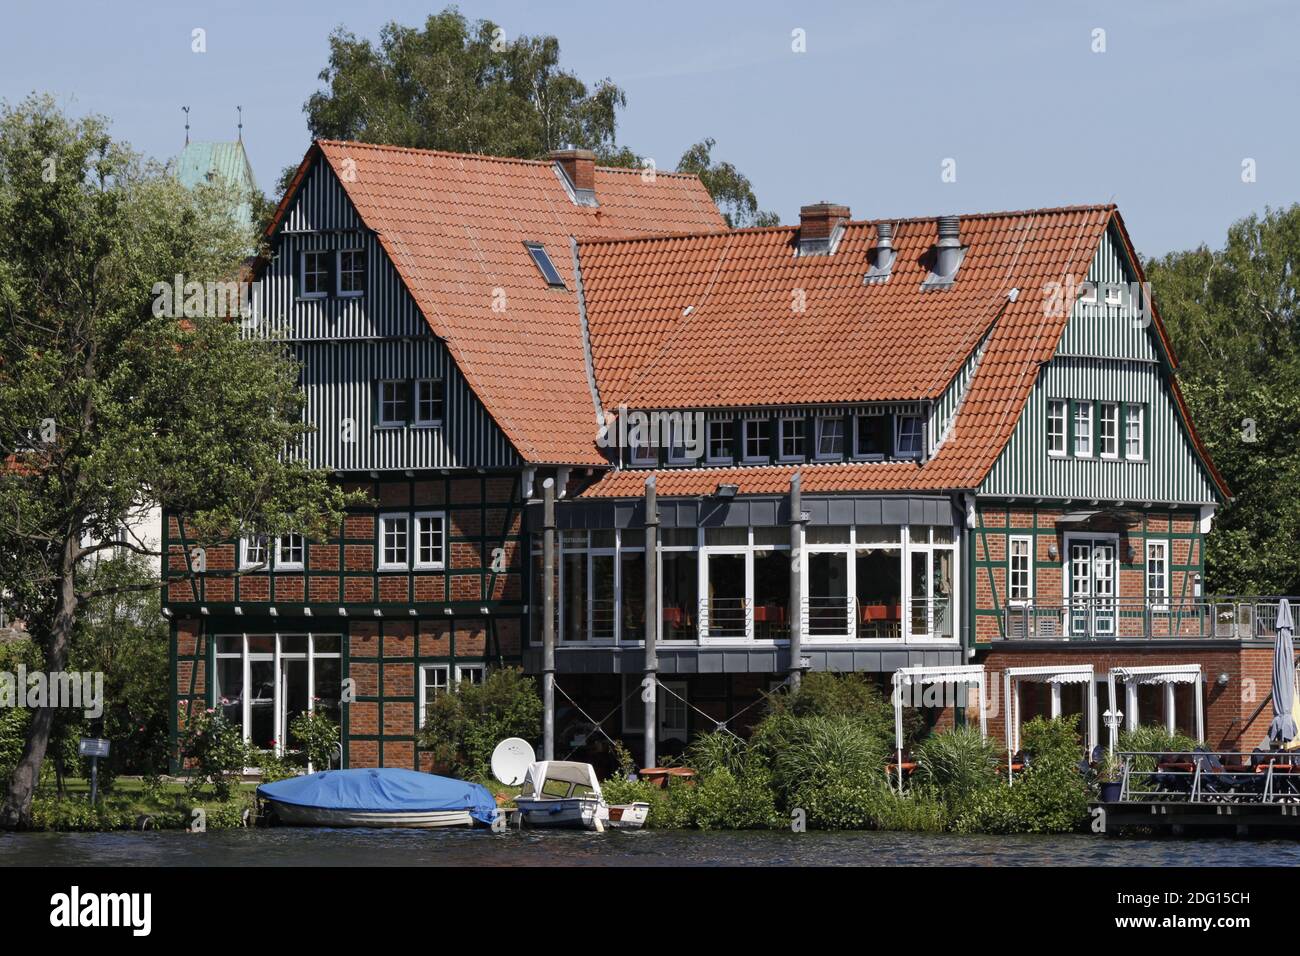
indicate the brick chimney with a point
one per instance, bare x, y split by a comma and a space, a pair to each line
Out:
579, 167
817, 226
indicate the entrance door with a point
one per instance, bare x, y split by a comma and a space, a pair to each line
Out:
1091, 580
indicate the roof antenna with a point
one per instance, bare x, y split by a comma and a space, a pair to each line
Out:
241, 122
186, 110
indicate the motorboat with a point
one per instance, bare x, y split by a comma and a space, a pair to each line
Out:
563, 794
377, 797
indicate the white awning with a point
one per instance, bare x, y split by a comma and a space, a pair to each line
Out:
953, 674
1159, 674
1064, 674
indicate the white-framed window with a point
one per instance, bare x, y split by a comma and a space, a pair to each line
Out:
1157, 572
394, 402
1134, 432
314, 274
289, 549
470, 673
434, 680
792, 448
1083, 429
351, 272
908, 431
719, 441
1020, 569
430, 540
253, 551
394, 541
428, 401
1108, 430
1114, 293
261, 682
757, 438
830, 437
1056, 412
871, 436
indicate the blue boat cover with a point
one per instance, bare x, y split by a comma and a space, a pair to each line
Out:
388, 790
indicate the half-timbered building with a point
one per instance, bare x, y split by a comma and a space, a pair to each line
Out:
652, 459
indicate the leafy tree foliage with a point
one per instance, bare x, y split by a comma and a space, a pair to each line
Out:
1233, 320
728, 186
467, 87
110, 406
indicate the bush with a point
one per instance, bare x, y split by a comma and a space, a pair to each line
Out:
809, 752
464, 725
1050, 796
717, 750
273, 767
317, 735
956, 764
216, 749
824, 694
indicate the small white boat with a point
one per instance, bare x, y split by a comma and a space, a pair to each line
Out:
563, 794
629, 816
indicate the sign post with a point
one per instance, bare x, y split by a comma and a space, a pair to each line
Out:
94, 748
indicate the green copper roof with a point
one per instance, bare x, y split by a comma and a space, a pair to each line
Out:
204, 162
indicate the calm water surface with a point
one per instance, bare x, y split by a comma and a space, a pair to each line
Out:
310, 847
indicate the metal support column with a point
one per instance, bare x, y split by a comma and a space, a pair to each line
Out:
650, 686
548, 624
797, 521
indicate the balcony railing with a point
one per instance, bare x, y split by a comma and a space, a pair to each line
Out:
725, 617
1085, 619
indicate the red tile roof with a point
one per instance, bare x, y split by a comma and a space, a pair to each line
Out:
742, 344
454, 225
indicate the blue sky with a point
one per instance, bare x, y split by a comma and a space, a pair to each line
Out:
886, 91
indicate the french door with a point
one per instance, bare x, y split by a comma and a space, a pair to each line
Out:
1090, 578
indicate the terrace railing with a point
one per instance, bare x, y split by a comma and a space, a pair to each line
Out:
1232, 776
1109, 618
725, 617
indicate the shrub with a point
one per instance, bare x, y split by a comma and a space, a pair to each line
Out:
717, 750
317, 735
273, 767
464, 725
808, 752
215, 747
1050, 796
956, 764
824, 694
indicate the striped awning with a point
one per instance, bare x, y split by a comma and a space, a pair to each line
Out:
1160, 674
954, 674
1064, 674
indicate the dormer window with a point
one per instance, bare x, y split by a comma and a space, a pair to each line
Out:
758, 439
908, 433
314, 277
719, 440
792, 439
830, 438
871, 436
545, 266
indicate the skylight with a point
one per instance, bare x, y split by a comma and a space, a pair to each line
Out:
544, 264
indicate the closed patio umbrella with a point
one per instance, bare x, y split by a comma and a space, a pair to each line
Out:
1283, 728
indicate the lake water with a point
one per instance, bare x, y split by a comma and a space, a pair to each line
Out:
303, 847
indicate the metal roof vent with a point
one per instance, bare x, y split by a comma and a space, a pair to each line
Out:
947, 253
881, 258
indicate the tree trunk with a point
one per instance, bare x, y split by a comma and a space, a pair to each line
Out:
17, 810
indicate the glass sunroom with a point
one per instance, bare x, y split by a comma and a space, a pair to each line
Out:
732, 584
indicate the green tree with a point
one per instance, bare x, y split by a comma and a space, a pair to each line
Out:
729, 187
1232, 318
110, 405
468, 87
460, 86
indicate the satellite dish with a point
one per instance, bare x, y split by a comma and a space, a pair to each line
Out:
511, 760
